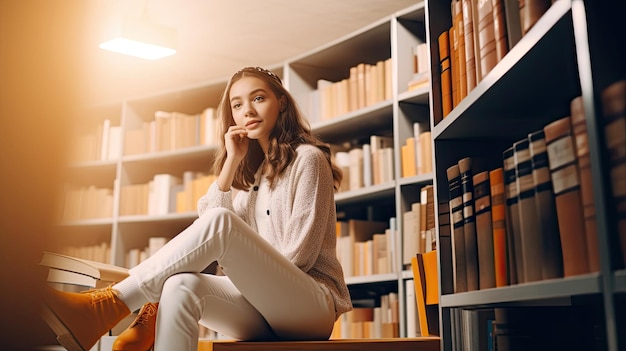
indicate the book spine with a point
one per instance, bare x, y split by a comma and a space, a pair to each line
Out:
614, 121
531, 11
512, 216
460, 38
498, 218
486, 37
445, 247
468, 32
566, 187
445, 70
530, 238
456, 217
579, 126
545, 207
484, 231
469, 223
499, 29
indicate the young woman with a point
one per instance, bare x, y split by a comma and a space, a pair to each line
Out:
268, 220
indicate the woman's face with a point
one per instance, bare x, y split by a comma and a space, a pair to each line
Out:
255, 107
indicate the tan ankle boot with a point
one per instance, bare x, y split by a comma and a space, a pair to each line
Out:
139, 336
80, 319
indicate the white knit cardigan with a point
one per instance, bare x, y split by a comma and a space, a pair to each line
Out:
302, 220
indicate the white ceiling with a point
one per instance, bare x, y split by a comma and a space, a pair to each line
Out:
217, 38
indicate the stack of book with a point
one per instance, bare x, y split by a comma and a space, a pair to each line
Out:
69, 273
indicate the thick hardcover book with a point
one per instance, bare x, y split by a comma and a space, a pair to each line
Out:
103, 273
545, 207
468, 34
614, 116
469, 223
530, 238
499, 28
445, 248
579, 125
498, 218
446, 73
566, 186
531, 11
486, 37
458, 238
459, 28
419, 280
484, 231
514, 253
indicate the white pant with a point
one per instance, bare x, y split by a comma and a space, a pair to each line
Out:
263, 295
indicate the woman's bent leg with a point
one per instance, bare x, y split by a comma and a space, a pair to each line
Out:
294, 305
191, 297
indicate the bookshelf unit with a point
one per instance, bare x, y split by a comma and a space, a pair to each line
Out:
566, 54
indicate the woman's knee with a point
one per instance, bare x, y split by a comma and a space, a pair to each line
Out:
180, 288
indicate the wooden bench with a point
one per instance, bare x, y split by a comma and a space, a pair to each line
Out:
396, 344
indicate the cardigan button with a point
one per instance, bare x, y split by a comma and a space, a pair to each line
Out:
255, 188
268, 212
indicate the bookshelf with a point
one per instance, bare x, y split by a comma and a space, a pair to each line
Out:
564, 55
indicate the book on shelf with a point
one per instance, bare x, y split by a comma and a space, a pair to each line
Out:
356, 168
562, 327
614, 125
475, 325
513, 243
566, 185
426, 284
459, 33
513, 22
531, 11
579, 126
411, 309
470, 55
530, 234
361, 248
445, 248
426, 152
469, 223
552, 260
103, 273
421, 67
499, 29
459, 262
445, 71
484, 231
498, 218
486, 37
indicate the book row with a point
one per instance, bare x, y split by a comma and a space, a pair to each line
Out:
167, 131
533, 218
366, 85
482, 33
567, 327
381, 320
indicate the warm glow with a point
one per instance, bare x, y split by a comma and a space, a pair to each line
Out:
137, 48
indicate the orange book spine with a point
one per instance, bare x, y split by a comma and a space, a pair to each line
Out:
460, 38
446, 73
498, 218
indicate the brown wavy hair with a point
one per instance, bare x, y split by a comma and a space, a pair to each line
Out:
291, 130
